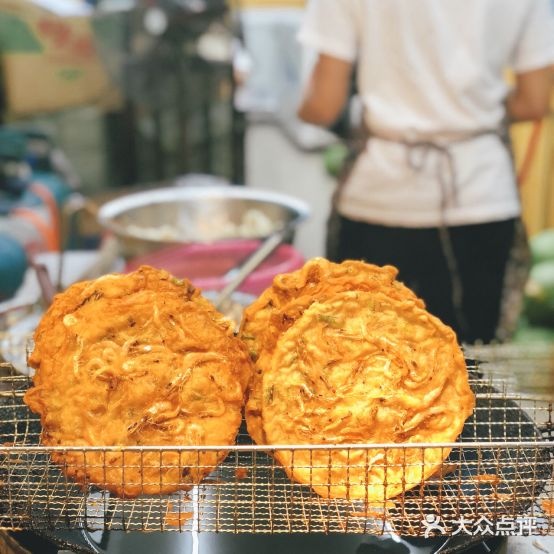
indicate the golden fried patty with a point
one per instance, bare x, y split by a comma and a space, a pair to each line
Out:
357, 359
280, 305
136, 360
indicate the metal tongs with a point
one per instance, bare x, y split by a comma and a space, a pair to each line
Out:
238, 274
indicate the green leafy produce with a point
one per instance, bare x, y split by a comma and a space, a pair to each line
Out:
542, 246
539, 294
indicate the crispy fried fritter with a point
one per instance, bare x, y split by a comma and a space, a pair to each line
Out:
280, 305
360, 368
137, 360
348, 355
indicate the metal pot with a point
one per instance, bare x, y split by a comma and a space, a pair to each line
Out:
150, 220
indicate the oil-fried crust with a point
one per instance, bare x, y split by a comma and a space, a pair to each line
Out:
346, 354
137, 360
280, 305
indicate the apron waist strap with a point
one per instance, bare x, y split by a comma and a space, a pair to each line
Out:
417, 152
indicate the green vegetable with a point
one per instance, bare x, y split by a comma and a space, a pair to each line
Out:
329, 320
539, 295
542, 246
334, 158
526, 335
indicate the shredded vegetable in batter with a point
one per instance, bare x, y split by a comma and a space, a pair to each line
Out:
137, 360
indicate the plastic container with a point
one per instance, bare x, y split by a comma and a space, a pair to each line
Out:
206, 264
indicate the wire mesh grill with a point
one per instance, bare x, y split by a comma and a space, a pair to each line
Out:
496, 480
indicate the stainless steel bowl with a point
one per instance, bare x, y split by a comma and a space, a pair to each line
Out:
149, 220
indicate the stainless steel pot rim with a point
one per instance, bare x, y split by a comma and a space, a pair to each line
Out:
118, 206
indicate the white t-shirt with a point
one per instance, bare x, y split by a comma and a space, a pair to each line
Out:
432, 70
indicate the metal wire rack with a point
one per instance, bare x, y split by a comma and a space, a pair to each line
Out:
497, 480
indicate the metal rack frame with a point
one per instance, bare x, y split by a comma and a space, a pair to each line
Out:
497, 480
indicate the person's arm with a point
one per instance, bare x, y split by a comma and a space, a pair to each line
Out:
530, 98
327, 91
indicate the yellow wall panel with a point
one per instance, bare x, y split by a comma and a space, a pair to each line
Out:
537, 190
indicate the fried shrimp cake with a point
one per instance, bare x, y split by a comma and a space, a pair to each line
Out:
280, 305
361, 367
137, 360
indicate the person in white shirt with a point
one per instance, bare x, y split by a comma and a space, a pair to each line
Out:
433, 189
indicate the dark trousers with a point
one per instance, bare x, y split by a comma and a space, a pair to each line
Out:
481, 253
